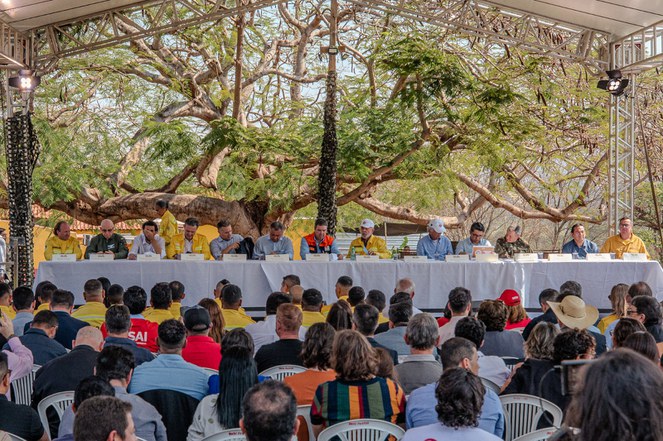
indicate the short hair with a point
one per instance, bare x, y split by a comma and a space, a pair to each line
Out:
92, 386
353, 357
114, 363
291, 280
192, 222
62, 298
44, 291
161, 296
289, 316
365, 318
5, 289
455, 350
23, 297
45, 318
237, 338
58, 225
400, 297
340, 315
4, 365
405, 285
571, 343
477, 226
640, 289
172, 334
317, 347
176, 290
471, 329
276, 225
93, 287
98, 416
574, 226
400, 313
515, 228
135, 298
223, 223
115, 294
547, 295
274, 300
344, 281
320, 222
625, 327
571, 286
311, 297
269, 412
376, 298
644, 344
650, 308
459, 299
422, 332
231, 294
150, 223
540, 343
118, 319
356, 295
493, 313
162, 203
105, 283
460, 396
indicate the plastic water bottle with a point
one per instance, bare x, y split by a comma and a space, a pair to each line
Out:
353, 255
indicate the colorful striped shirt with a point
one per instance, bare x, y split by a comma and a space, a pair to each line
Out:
377, 398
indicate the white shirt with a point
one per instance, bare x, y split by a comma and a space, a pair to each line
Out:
448, 330
264, 332
440, 432
141, 246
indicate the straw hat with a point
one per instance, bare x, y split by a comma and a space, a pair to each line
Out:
573, 312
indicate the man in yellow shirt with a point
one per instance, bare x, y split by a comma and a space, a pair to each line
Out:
43, 294
188, 242
342, 289
161, 298
311, 306
62, 242
6, 301
367, 244
168, 227
94, 310
625, 241
231, 298
178, 294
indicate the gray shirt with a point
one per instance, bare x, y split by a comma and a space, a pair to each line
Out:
217, 245
264, 246
19, 322
417, 371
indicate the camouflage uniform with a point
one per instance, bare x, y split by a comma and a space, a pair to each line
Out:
507, 249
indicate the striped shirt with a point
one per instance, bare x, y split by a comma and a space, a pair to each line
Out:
377, 398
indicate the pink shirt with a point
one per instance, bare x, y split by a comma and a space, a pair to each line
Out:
19, 359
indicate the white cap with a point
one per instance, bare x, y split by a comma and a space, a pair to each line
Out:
367, 223
437, 225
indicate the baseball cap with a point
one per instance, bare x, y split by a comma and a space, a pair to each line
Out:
510, 297
197, 319
437, 225
367, 223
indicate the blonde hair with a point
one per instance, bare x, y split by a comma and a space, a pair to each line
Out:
619, 298
218, 323
539, 344
289, 316
353, 357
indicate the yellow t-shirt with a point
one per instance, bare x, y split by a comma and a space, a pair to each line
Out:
200, 246
375, 244
615, 244
93, 313
55, 245
175, 310
606, 321
168, 227
157, 315
326, 308
312, 317
235, 319
9, 311
43, 307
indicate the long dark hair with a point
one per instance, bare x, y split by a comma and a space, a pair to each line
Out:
237, 373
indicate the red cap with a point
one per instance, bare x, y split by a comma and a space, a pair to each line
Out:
510, 297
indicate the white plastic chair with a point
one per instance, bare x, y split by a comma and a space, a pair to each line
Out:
227, 435
537, 435
305, 412
59, 401
281, 371
13, 437
362, 430
22, 387
522, 414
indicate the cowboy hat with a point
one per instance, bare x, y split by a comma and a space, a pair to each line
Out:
573, 312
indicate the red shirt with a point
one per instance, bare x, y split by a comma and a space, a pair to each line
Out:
442, 321
143, 332
202, 351
518, 325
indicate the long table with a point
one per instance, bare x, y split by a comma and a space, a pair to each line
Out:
433, 280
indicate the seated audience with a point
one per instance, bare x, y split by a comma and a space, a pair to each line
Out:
169, 370
89, 387
355, 364
491, 367
460, 400
286, 350
177, 294
648, 311
311, 302
460, 305
217, 412
200, 348
62, 304
20, 358
316, 358
547, 295
385, 365
233, 314
640, 289
114, 295
356, 295
644, 344
611, 403
394, 338
43, 294
296, 292
516, 315
572, 312
264, 331
499, 341
619, 300
237, 338
143, 332
365, 320
39, 338
118, 325
6, 301
420, 367
405, 285
625, 327
218, 325
161, 297
288, 282
93, 311
269, 411
24, 304
104, 418
340, 316
376, 298
342, 290
456, 352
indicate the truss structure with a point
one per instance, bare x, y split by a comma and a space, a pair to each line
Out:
16, 48
639, 51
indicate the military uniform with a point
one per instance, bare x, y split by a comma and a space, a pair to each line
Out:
507, 249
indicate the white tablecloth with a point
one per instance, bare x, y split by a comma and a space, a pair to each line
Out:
433, 280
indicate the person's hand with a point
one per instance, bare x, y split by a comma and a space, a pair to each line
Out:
340, 256
132, 257
6, 326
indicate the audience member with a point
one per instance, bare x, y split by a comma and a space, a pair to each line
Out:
491, 367
420, 367
625, 327
342, 290
516, 315
571, 286
93, 311
118, 325
143, 332
311, 306
640, 289
460, 305
39, 338
547, 295
394, 338
264, 331
233, 314
288, 282
648, 311
161, 297
269, 413
6, 301
200, 348
237, 338
619, 300
356, 295
497, 340
43, 294
572, 312
286, 350
89, 387
644, 344
218, 325
385, 365
376, 298
104, 418
105, 285
355, 362
406, 285
177, 294
365, 320
114, 295
340, 316
296, 292
24, 304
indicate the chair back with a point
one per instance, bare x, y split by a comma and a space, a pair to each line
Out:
305, 412
22, 387
13, 437
281, 371
511, 362
176, 409
522, 414
490, 385
362, 430
537, 435
58, 401
227, 435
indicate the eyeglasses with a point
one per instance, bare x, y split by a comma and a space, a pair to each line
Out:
624, 225
632, 311
107, 230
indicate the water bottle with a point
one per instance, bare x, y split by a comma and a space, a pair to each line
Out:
353, 255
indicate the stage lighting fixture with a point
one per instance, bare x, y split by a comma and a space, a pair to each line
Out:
26, 81
615, 84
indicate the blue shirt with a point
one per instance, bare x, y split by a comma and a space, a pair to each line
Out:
303, 249
587, 247
466, 246
217, 245
264, 246
420, 410
44, 348
21, 319
170, 371
141, 355
434, 249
